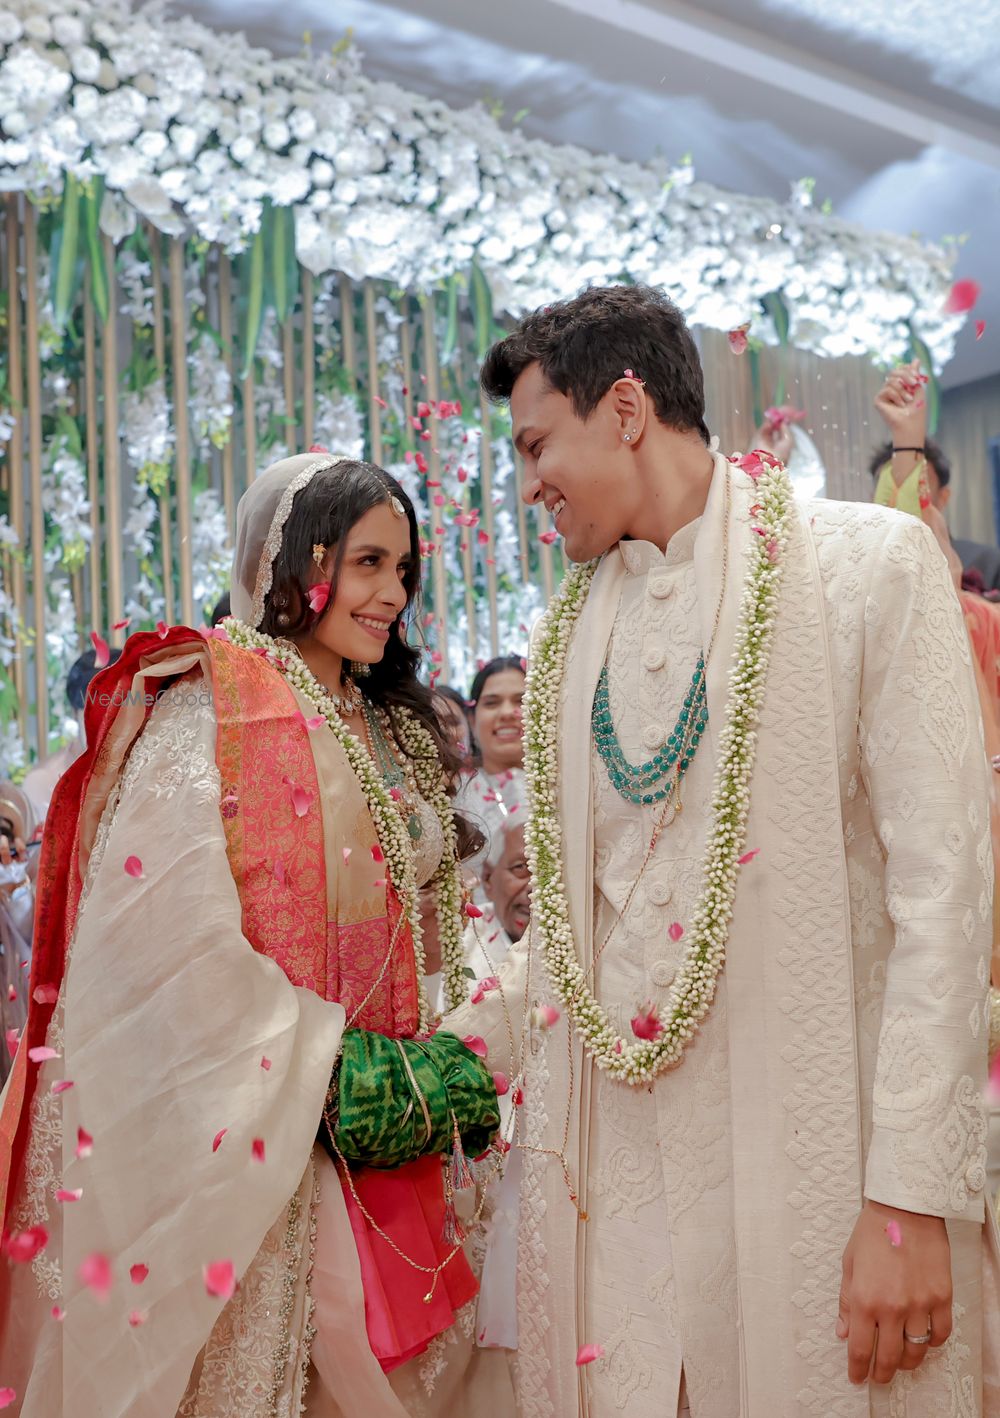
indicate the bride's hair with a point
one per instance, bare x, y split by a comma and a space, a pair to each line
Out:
325, 510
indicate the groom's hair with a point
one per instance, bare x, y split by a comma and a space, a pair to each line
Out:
583, 345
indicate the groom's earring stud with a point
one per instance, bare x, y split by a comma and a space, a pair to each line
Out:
628, 438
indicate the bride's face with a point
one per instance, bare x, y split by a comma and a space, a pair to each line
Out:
370, 594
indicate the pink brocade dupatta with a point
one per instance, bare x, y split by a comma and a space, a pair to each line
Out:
300, 848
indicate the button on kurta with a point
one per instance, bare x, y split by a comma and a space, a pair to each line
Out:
660, 587
662, 973
654, 658
654, 736
660, 893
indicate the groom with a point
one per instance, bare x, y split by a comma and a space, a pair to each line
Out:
753, 1168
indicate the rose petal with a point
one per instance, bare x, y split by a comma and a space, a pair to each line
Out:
265, 1063
378, 856
95, 1274
63, 1195
58, 1313
471, 909
45, 994
62, 1085
138, 1317
23, 1246
257, 1149
7, 1396
675, 931
301, 799
962, 297
316, 722
138, 1273
476, 1045
11, 993
12, 1037
217, 1139
162, 629
893, 1232
738, 338
84, 1143
42, 1053
483, 988
980, 329
122, 624
547, 538
347, 856
587, 1353
502, 1084
220, 1279
646, 1024
133, 867
101, 652
545, 1016
318, 596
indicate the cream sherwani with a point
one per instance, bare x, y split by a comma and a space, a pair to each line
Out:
845, 1052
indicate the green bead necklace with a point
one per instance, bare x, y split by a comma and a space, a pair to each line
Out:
656, 779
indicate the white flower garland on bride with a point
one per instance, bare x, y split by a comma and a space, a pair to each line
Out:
694, 987
393, 837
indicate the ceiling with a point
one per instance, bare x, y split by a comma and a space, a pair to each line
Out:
894, 109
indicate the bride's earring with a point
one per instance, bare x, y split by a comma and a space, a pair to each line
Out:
283, 618
359, 670
319, 552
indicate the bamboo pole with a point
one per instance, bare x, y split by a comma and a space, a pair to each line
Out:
226, 333
486, 482
308, 362
374, 408
112, 450
160, 356
348, 340
522, 521
92, 440
545, 551
178, 333
15, 447
288, 375
437, 526
33, 371
406, 354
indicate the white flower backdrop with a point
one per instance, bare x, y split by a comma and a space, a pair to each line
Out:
134, 136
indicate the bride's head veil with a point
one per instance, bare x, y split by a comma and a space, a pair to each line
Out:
260, 521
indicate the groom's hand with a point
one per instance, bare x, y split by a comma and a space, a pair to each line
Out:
890, 1291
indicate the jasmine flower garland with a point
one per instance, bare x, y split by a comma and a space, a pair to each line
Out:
639, 1062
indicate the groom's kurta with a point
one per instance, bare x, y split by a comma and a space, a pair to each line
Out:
845, 1052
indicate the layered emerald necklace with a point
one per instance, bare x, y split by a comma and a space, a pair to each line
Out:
656, 779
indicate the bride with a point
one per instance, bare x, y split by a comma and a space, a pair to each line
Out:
221, 1144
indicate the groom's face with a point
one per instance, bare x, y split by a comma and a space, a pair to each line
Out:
574, 466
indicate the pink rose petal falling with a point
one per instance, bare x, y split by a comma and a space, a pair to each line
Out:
11, 993
980, 329
7, 1397
42, 1054
318, 596
675, 931
12, 1037
23, 1246
587, 1353
137, 1317
45, 994
133, 867
738, 339
58, 1313
472, 910
217, 1139
893, 1232
547, 1016
137, 1273
162, 629
62, 1085
378, 856
301, 798
547, 538
316, 722
84, 1144
747, 857
962, 297
95, 1273
265, 1063
347, 856
63, 1195
501, 1083
220, 1279
257, 1149
101, 652
122, 624
475, 1045
483, 988
646, 1024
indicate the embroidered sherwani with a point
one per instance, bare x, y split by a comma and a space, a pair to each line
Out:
845, 1052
